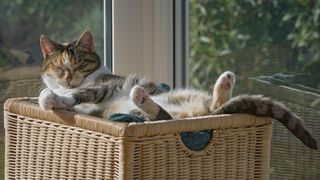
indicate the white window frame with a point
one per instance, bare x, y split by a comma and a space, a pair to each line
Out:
107, 31
181, 43
145, 39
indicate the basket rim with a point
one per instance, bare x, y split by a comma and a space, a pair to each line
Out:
25, 106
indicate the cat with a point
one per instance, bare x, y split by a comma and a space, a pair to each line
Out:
75, 70
77, 81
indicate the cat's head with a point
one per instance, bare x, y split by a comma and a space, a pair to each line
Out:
68, 65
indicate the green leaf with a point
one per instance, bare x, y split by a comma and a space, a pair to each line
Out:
204, 39
287, 17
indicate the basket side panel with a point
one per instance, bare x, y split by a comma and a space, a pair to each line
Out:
241, 153
36, 149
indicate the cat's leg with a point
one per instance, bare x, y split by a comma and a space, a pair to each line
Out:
154, 89
142, 100
46, 99
92, 95
151, 88
49, 100
222, 90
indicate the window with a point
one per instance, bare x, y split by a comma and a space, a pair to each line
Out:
273, 47
22, 23
143, 39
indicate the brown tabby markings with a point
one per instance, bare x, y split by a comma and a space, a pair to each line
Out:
70, 63
278, 113
57, 62
262, 106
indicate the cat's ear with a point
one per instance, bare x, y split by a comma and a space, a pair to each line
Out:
86, 42
47, 46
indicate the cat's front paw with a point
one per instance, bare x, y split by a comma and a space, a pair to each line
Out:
49, 100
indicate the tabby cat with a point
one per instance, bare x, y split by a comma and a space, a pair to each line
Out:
74, 71
77, 81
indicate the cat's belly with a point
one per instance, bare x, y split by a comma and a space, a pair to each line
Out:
86, 108
187, 110
118, 105
182, 105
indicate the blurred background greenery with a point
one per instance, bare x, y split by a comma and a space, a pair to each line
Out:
273, 47
22, 23
254, 37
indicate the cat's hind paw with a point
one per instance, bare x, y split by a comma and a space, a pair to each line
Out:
225, 81
222, 90
138, 95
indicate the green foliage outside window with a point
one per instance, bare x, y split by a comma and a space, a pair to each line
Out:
23, 21
254, 37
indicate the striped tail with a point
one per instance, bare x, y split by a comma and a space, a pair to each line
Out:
261, 106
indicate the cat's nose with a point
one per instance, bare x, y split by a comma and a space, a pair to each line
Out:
68, 79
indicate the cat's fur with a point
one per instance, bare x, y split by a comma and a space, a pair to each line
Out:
176, 104
76, 80
74, 73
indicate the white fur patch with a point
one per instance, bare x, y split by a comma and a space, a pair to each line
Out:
88, 108
143, 101
50, 82
49, 100
137, 94
46, 99
67, 63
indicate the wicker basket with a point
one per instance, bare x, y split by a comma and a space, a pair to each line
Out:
65, 145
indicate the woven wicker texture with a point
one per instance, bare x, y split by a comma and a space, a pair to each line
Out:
64, 145
16, 82
290, 159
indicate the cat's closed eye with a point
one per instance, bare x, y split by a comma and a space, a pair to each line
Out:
82, 65
59, 72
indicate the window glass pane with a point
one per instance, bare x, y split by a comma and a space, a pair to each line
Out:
108, 33
273, 47
22, 23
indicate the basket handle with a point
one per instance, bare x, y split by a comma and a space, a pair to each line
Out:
196, 141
